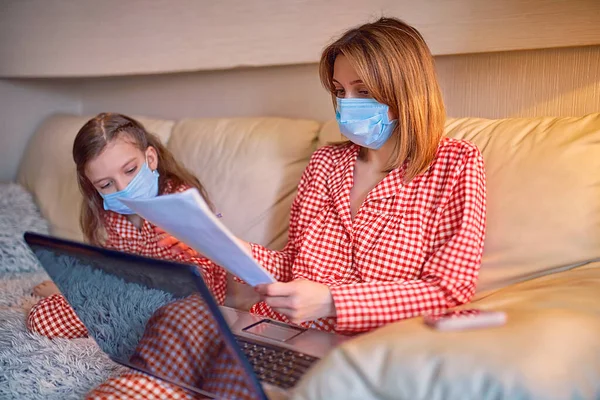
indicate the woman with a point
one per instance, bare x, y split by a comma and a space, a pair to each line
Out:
387, 226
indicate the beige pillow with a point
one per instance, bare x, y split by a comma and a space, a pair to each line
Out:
330, 133
543, 193
250, 167
47, 170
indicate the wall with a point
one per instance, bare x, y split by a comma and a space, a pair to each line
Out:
288, 91
66, 38
94, 44
562, 81
24, 104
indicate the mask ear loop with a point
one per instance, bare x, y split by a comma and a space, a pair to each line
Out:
154, 172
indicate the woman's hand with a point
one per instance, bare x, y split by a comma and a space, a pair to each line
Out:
174, 245
300, 300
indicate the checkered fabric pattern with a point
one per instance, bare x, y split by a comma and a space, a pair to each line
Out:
181, 342
124, 236
53, 317
412, 248
137, 385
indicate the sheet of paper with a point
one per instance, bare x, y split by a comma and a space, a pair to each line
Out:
187, 217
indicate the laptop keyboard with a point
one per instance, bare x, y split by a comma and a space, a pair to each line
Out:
277, 366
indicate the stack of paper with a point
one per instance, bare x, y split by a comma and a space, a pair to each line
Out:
187, 217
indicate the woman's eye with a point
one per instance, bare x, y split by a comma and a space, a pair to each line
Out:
131, 170
339, 92
105, 186
364, 92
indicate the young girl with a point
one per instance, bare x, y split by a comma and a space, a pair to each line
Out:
116, 157
387, 226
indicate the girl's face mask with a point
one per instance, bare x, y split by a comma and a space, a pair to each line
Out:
364, 121
143, 186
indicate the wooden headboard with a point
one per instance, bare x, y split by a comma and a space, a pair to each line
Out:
546, 82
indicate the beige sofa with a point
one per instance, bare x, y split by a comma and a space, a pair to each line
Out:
543, 234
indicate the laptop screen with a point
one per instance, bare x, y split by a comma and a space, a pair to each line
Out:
155, 316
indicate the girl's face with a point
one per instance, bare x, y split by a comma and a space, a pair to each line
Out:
347, 83
118, 164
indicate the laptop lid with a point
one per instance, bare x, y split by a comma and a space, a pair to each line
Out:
128, 302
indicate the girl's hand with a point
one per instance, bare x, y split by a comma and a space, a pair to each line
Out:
245, 245
178, 247
300, 300
174, 245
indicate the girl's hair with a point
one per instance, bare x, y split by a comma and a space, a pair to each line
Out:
91, 140
397, 68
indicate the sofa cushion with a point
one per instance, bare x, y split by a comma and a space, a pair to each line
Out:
548, 349
543, 192
330, 133
47, 170
250, 167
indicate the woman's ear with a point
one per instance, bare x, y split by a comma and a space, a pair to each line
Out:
152, 158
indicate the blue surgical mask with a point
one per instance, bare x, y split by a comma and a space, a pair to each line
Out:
364, 122
143, 186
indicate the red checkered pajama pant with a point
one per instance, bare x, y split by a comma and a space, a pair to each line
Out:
181, 342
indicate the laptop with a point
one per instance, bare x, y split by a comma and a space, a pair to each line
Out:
115, 294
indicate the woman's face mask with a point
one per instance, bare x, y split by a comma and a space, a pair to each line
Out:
364, 121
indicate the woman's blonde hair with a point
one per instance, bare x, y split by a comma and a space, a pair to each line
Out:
397, 68
92, 139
